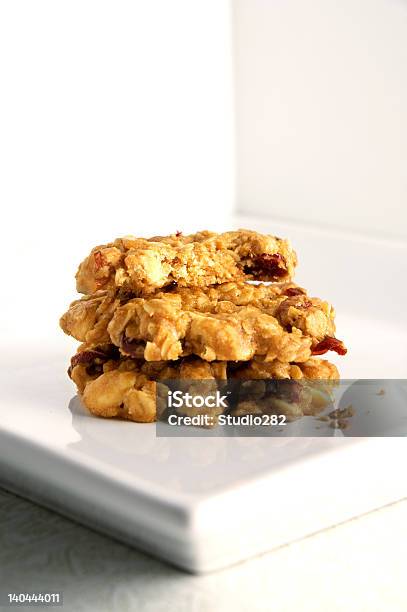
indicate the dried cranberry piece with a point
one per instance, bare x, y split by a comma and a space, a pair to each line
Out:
87, 357
304, 304
110, 352
293, 291
289, 390
269, 264
168, 288
100, 260
330, 344
94, 369
130, 346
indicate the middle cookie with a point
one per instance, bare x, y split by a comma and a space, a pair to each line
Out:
229, 322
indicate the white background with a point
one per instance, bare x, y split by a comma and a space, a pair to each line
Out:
115, 118
117, 111
118, 117
321, 93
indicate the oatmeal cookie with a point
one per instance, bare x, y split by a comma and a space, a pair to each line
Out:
143, 265
232, 321
126, 388
87, 319
114, 386
300, 389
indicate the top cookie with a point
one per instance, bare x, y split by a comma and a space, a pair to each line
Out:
142, 265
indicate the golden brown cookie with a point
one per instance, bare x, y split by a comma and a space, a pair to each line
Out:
114, 386
143, 265
232, 321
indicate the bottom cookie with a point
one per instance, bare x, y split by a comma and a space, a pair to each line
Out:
113, 386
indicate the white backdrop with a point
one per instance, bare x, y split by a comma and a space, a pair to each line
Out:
115, 118
321, 91
115, 110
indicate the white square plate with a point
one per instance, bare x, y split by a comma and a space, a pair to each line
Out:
203, 503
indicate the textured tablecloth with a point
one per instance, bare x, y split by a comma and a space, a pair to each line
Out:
359, 565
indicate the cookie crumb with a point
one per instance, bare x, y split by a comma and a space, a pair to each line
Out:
345, 413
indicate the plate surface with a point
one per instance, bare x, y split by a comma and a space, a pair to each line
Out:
204, 503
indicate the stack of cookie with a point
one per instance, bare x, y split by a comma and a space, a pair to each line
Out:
186, 307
